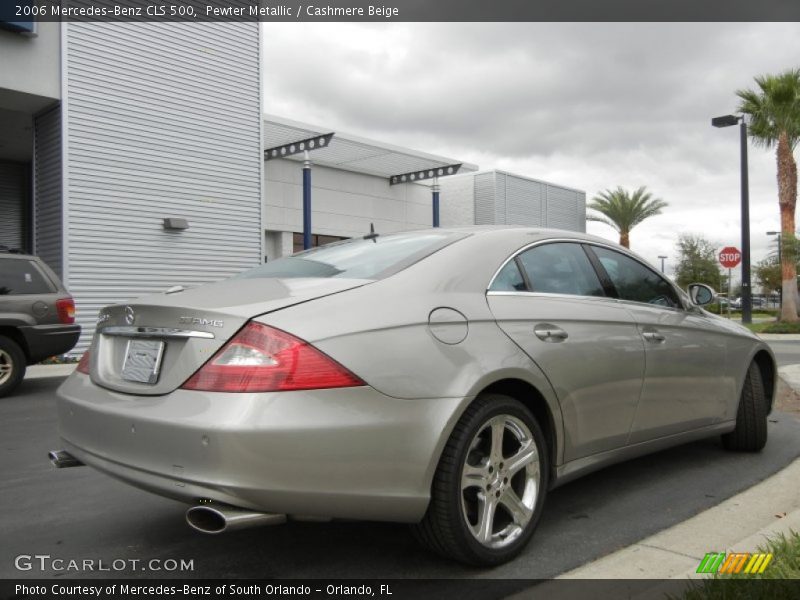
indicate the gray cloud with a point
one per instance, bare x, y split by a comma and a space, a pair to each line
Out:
591, 105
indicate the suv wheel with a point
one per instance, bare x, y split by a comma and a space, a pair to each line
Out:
12, 365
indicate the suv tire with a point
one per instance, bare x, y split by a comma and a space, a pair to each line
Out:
12, 365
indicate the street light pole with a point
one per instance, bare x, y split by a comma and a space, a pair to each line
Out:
727, 121
663, 258
747, 293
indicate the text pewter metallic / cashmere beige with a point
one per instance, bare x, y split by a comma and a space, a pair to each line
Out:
445, 378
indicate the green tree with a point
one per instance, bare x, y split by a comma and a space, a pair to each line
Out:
697, 262
768, 273
774, 110
623, 211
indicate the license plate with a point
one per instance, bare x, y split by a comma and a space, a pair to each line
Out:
142, 361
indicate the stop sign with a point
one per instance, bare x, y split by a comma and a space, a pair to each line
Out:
730, 257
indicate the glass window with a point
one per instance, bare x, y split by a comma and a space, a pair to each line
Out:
561, 268
509, 279
636, 282
357, 258
316, 240
19, 277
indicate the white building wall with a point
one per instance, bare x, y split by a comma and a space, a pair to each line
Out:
160, 120
344, 203
500, 198
31, 64
456, 201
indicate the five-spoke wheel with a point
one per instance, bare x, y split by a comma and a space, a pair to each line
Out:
490, 485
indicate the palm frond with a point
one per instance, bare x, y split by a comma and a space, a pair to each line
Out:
623, 210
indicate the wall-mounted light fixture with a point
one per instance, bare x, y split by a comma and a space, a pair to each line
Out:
173, 224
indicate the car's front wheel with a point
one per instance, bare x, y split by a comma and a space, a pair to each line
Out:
750, 434
12, 365
490, 484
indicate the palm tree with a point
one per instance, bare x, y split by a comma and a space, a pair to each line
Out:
624, 211
774, 110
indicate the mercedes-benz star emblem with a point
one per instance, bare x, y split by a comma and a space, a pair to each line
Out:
129, 315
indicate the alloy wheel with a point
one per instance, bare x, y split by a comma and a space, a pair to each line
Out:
6, 366
500, 481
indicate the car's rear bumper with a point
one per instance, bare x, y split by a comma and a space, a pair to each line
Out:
44, 341
342, 453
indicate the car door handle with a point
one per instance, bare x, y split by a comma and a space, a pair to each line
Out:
653, 336
550, 333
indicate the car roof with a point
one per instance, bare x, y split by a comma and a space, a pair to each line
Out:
522, 233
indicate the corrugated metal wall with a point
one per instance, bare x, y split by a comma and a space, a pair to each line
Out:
566, 209
13, 204
485, 195
47, 175
161, 120
507, 199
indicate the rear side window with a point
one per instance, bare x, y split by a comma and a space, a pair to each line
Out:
359, 258
19, 277
561, 268
636, 282
509, 279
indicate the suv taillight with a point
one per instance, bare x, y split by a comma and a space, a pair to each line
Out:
262, 359
66, 310
83, 363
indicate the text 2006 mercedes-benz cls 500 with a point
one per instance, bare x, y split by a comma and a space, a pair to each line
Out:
446, 378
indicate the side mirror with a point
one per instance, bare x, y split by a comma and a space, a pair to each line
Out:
701, 294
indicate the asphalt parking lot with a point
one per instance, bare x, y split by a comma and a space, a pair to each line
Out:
79, 513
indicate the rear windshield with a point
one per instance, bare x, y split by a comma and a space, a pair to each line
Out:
358, 258
19, 277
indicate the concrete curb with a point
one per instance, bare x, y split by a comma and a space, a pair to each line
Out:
780, 337
41, 371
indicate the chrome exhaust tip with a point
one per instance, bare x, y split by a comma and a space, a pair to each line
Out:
61, 459
216, 518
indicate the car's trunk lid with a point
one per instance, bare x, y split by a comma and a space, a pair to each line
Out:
153, 345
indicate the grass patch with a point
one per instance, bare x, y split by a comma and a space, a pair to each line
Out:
759, 327
778, 582
778, 327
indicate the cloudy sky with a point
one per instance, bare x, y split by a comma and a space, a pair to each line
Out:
590, 105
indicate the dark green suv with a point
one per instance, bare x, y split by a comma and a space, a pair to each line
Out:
37, 317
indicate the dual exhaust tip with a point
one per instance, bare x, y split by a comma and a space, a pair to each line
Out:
61, 459
218, 518
211, 517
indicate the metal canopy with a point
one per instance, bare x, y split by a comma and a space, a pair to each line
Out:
353, 153
298, 147
424, 174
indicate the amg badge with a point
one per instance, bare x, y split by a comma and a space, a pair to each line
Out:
201, 321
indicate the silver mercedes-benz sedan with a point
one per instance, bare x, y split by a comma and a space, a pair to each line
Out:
446, 378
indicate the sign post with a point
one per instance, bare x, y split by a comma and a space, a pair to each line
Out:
730, 257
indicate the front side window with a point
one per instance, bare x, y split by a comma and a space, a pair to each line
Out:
560, 268
636, 282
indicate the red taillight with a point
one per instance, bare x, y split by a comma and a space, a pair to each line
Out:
83, 363
262, 359
66, 310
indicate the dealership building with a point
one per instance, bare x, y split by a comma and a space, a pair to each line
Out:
135, 157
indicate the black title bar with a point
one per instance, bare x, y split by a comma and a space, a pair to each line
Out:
16, 14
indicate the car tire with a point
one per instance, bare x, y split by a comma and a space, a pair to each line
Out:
750, 434
476, 468
12, 365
